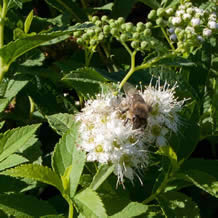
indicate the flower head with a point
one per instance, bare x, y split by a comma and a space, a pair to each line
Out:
108, 139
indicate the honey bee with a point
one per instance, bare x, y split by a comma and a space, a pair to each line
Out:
135, 107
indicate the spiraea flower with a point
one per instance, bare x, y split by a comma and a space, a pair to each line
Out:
164, 117
108, 139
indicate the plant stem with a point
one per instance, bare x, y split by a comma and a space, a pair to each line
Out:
32, 106
159, 190
70, 214
3, 11
131, 71
167, 38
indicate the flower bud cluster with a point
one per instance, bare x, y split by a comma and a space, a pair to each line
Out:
138, 36
108, 137
188, 25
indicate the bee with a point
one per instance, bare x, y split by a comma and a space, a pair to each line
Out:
135, 107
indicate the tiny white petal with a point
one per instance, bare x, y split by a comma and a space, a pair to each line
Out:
195, 21
207, 32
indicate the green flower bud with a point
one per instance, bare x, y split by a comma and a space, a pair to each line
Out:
152, 14
136, 36
90, 33
101, 37
113, 24
147, 32
180, 36
111, 21
77, 34
98, 23
114, 31
93, 42
153, 43
177, 31
140, 27
104, 18
106, 29
94, 19
148, 25
129, 27
85, 36
123, 26
123, 37
121, 20
160, 21
80, 41
160, 12
98, 30
144, 45
135, 44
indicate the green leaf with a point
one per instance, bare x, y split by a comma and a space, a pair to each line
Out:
28, 22
35, 172
61, 123
176, 204
66, 154
15, 49
33, 58
107, 6
14, 139
20, 205
133, 209
86, 81
186, 144
208, 166
9, 89
122, 8
202, 180
68, 6
12, 160
152, 4
90, 204
2, 124
102, 174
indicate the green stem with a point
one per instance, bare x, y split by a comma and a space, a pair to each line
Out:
3, 11
131, 71
32, 106
159, 190
167, 38
70, 214
108, 57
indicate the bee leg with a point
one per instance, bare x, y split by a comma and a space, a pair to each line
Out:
126, 121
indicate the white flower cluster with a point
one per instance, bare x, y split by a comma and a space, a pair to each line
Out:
164, 116
190, 25
107, 137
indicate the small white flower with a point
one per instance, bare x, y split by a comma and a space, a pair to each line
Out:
195, 21
165, 106
199, 12
107, 139
212, 17
180, 13
176, 20
169, 11
212, 24
186, 17
190, 29
207, 32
